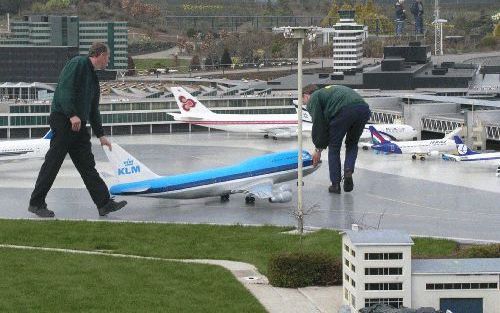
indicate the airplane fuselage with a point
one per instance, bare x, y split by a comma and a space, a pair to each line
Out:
23, 149
473, 157
417, 147
276, 167
391, 132
248, 123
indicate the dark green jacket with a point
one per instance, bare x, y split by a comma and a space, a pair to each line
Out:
78, 93
324, 104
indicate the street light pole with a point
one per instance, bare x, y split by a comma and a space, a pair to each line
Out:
299, 33
300, 211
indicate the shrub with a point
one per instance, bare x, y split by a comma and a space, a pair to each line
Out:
488, 41
496, 32
294, 270
486, 251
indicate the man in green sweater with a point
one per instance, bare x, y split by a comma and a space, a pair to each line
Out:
76, 102
336, 111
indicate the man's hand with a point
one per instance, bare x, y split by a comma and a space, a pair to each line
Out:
316, 157
105, 142
76, 123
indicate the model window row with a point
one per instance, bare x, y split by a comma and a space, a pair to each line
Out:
384, 286
394, 302
384, 271
384, 256
446, 286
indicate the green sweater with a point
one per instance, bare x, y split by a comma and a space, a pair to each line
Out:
78, 93
324, 104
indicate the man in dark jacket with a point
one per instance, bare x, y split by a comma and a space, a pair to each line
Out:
417, 9
400, 17
76, 102
336, 111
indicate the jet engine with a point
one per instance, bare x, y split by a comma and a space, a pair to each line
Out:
283, 133
281, 197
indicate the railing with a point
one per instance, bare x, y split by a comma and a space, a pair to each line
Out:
385, 117
492, 132
441, 124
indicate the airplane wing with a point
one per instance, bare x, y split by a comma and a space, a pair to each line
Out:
262, 189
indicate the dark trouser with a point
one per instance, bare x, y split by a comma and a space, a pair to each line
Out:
78, 145
419, 24
400, 24
349, 122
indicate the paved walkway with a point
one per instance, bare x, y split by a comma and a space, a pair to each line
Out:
275, 300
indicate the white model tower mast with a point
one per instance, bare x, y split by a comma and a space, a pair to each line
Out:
438, 30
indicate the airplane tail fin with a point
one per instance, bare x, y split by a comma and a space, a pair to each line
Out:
462, 147
126, 168
453, 133
377, 138
49, 134
306, 117
189, 105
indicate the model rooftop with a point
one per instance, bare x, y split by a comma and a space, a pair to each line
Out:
379, 237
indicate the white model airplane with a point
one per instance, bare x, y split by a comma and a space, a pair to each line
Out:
467, 155
418, 149
271, 125
13, 150
255, 177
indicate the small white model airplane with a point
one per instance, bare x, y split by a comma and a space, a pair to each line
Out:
13, 150
255, 177
465, 154
418, 149
271, 125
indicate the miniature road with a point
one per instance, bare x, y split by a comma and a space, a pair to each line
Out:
431, 198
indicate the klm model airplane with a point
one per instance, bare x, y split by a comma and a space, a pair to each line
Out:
255, 177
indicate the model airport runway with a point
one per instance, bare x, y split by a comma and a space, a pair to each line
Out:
432, 197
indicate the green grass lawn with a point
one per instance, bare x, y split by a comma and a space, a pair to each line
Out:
146, 64
41, 281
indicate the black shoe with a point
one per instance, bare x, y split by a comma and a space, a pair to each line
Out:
111, 206
41, 211
334, 188
348, 182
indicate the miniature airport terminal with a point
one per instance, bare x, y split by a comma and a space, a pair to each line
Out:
418, 193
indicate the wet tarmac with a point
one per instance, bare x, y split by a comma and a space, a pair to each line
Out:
431, 198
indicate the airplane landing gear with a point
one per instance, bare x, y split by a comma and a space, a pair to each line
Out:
275, 138
249, 199
266, 136
365, 148
224, 198
415, 156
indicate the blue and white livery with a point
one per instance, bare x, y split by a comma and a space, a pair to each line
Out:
465, 154
255, 177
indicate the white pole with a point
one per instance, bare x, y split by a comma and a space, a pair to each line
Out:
300, 43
